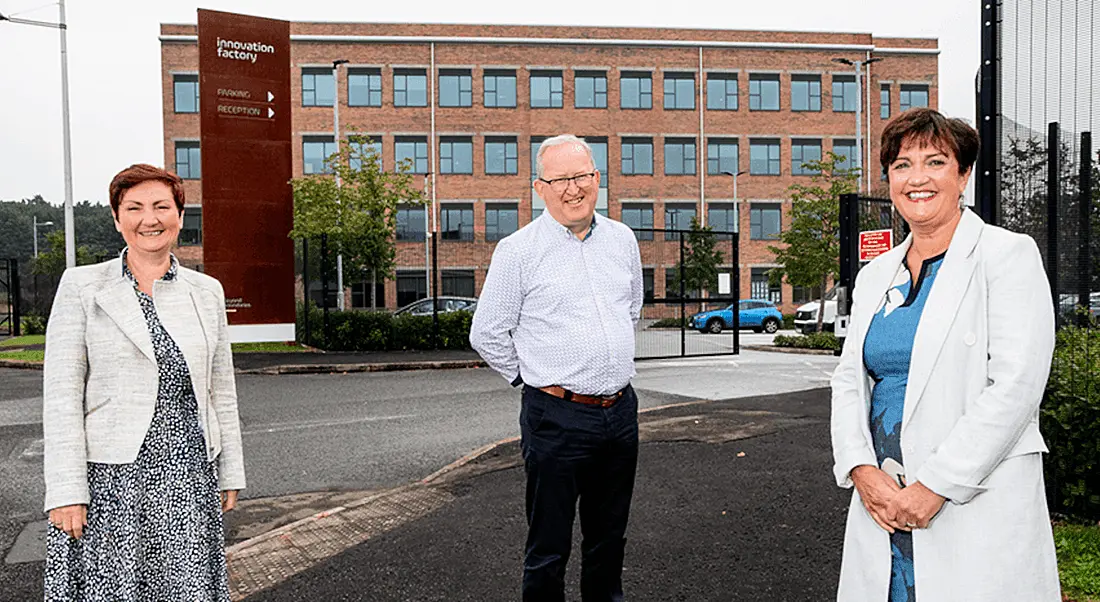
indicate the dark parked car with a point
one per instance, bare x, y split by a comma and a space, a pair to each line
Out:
448, 304
759, 315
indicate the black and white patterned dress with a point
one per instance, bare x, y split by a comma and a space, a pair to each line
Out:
154, 526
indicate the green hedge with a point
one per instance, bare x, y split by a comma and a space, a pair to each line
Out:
32, 324
382, 331
788, 321
1071, 423
670, 323
816, 340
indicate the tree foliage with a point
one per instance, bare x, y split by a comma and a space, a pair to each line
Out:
702, 258
51, 258
355, 205
809, 254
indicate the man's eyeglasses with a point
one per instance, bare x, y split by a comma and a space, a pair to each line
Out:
562, 184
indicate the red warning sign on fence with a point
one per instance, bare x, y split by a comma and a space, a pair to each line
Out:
874, 243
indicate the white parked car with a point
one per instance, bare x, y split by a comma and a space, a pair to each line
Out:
805, 317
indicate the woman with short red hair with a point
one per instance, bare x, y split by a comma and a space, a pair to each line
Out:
142, 437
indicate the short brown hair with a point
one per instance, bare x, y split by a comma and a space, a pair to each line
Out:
929, 127
139, 174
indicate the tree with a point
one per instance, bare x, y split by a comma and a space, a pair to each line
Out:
51, 262
810, 254
358, 213
699, 270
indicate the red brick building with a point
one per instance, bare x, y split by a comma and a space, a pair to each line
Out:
666, 110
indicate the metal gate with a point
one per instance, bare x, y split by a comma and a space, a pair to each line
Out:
677, 321
9, 297
861, 214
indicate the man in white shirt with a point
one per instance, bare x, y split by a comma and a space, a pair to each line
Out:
557, 315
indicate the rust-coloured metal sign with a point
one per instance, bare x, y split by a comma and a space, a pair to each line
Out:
873, 243
247, 204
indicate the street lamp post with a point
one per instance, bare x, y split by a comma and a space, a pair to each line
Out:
734, 176
70, 237
428, 242
859, 109
34, 227
336, 138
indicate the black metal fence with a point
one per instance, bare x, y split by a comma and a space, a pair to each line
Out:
453, 269
9, 297
860, 214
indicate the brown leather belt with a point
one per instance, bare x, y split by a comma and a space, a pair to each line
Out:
603, 401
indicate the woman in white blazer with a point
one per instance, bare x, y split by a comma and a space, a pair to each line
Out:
142, 437
935, 402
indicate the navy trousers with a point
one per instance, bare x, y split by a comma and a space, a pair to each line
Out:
571, 451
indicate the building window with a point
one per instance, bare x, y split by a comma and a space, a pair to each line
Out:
678, 216
546, 89
805, 294
765, 221
844, 94
188, 160
679, 156
501, 219
412, 286
410, 88
315, 153
500, 88
722, 92
360, 294
456, 221
802, 152
764, 157
536, 142
762, 288
912, 97
847, 150
637, 156
185, 93
599, 157
805, 92
672, 286
191, 230
722, 217
457, 283
414, 150
501, 155
884, 101
635, 90
318, 89
679, 91
410, 223
364, 147
456, 155
456, 88
763, 92
590, 90
364, 87
639, 217
648, 292
722, 156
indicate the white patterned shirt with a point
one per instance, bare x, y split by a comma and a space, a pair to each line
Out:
556, 310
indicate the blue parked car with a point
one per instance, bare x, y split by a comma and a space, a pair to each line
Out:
758, 314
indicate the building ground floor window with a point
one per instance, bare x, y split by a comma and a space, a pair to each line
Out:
762, 288
457, 283
360, 294
411, 286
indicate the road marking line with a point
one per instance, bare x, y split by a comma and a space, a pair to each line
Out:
321, 424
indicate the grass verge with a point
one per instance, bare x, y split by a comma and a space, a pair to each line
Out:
1078, 549
29, 339
286, 347
37, 355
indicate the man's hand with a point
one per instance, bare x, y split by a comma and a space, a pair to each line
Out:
229, 500
70, 519
916, 505
877, 490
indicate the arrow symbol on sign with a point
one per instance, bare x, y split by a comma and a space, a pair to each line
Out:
270, 112
270, 96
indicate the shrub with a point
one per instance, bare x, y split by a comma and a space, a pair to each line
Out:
1071, 420
382, 331
817, 340
670, 323
32, 324
788, 321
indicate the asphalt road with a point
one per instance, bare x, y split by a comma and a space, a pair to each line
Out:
366, 431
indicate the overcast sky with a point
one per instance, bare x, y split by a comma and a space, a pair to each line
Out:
114, 62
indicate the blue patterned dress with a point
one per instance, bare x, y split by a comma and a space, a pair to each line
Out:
887, 351
154, 529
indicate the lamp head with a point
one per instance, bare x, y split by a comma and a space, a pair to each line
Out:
843, 61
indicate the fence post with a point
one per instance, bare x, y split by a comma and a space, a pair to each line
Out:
683, 302
324, 288
435, 289
16, 295
305, 288
989, 115
735, 255
1053, 163
1084, 207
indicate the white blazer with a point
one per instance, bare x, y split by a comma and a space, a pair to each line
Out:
101, 377
970, 427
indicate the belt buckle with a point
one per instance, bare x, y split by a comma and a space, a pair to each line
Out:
607, 403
